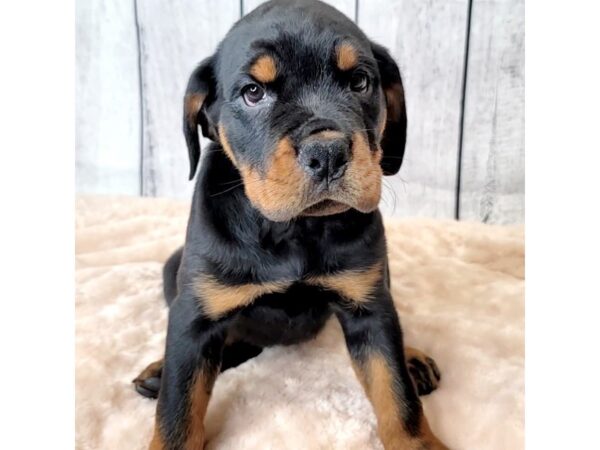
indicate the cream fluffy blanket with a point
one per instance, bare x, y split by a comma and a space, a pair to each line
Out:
459, 289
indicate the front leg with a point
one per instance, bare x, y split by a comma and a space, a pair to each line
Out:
374, 339
192, 361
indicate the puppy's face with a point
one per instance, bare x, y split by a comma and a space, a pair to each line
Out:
310, 112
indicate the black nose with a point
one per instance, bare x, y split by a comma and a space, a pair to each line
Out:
325, 159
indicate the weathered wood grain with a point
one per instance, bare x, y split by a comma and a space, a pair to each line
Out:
427, 39
492, 164
174, 38
129, 138
108, 117
345, 6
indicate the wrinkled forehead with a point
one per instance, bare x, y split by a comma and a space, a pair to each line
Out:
294, 46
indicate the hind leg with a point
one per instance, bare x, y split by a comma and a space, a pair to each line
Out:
423, 371
170, 270
147, 383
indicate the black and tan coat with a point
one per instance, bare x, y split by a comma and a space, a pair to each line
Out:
306, 116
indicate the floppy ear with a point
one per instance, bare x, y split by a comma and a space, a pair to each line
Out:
394, 134
199, 96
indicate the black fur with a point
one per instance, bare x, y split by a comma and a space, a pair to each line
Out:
229, 239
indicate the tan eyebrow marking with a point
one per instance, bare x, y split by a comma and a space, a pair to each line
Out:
347, 56
264, 69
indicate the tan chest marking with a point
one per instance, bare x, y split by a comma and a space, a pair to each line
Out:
218, 298
357, 286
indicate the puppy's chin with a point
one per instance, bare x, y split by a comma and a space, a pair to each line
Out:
275, 214
325, 208
322, 208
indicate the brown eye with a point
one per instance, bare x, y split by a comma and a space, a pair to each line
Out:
253, 94
359, 82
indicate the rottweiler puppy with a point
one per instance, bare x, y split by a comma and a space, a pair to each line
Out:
305, 115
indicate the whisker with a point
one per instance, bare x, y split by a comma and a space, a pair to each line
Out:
227, 190
230, 182
392, 191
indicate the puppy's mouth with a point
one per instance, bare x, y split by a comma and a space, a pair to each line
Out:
325, 207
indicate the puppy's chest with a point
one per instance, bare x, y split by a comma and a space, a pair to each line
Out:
218, 297
293, 264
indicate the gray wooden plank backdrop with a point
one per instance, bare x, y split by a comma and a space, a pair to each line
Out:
492, 180
107, 91
462, 63
427, 39
174, 36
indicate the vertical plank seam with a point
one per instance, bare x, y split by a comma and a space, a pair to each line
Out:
356, 11
461, 130
141, 96
241, 8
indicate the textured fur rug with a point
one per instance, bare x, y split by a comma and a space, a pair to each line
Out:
459, 289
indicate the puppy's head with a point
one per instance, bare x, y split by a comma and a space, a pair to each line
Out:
309, 110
